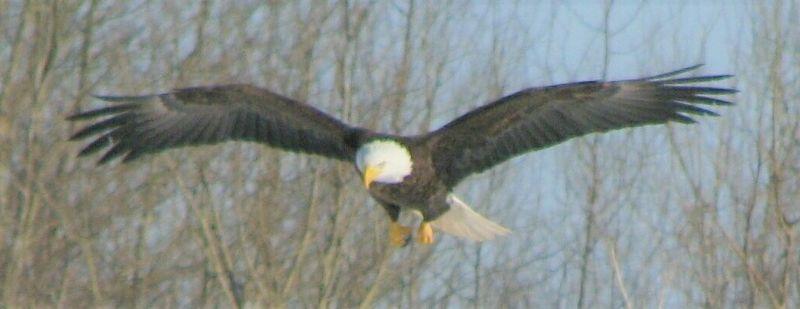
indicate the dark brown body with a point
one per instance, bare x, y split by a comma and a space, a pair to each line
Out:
422, 190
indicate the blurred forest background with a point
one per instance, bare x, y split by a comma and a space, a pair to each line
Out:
669, 216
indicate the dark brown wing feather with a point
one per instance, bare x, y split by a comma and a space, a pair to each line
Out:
138, 125
536, 118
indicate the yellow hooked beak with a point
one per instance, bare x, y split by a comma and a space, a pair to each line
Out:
369, 175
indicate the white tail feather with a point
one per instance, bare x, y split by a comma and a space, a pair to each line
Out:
464, 222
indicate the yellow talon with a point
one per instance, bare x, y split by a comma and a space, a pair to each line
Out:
425, 234
399, 234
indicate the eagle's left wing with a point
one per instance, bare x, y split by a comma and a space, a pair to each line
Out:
536, 118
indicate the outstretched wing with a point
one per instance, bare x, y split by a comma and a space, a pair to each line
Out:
138, 125
536, 118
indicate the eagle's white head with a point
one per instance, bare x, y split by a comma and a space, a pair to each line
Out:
383, 161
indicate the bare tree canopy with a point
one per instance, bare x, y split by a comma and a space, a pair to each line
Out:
672, 215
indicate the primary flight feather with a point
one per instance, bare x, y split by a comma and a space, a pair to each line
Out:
400, 172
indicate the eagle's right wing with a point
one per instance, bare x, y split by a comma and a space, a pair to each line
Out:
138, 125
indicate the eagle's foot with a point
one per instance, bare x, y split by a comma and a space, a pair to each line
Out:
425, 233
399, 234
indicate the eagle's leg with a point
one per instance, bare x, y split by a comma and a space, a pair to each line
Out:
425, 233
398, 233
438, 206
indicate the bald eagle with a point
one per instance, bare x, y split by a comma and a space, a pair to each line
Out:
400, 172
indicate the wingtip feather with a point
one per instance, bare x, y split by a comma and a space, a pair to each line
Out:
119, 98
676, 72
